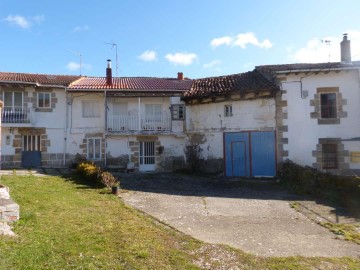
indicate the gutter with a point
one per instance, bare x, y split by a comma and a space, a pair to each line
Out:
314, 70
33, 83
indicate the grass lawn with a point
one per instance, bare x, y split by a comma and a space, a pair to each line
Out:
67, 225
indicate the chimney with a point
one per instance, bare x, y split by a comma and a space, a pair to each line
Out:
345, 50
180, 76
108, 73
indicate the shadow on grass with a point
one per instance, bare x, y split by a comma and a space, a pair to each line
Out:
82, 182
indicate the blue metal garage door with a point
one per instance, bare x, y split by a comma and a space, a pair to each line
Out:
250, 154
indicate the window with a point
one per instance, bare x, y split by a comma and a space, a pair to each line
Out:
153, 112
31, 143
94, 148
228, 110
13, 100
178, 112
328, 105
43, 100
90, 109
329, 156
120, 108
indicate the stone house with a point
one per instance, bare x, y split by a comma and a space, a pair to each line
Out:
318, 112
135, 123
240, 125
232, 121
33, 123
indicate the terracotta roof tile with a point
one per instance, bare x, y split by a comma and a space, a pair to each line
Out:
40, 79
240, 83
132, 83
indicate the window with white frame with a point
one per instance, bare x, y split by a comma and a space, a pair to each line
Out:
44, 100
153, 112
90, 109
94, 148
228, 111
13, 100
178, 112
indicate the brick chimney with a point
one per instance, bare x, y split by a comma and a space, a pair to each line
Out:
345, 50
180, 76
108, 73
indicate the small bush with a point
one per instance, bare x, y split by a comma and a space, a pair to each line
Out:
109, 180
90, 172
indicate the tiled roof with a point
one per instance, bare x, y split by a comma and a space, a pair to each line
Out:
40, 79
251, 81
307, 66
132, 83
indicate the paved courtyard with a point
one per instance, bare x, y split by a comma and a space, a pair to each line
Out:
254, 217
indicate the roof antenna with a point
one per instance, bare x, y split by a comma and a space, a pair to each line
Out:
80, 56
327, 42
116, 52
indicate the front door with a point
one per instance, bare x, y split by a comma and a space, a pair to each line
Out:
147, 156
31, 151
237, 154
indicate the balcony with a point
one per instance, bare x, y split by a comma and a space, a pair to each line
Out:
17, 116
132, 124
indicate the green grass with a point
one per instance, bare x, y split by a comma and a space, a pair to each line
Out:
66, 225
350, 232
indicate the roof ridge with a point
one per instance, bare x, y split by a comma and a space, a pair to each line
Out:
41, 74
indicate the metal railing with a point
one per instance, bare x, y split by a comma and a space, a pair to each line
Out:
119, 123
15, 115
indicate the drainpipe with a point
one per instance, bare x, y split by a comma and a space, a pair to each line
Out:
106, 125
66, 125
139, 98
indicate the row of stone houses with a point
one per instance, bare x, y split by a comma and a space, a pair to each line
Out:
242, 125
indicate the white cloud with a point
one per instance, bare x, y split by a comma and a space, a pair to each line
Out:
317, 50
148, 56
183, 59
80, 28
73, 66
212, 64
17, 20
241, 40
76, 66
221, 41
39, 18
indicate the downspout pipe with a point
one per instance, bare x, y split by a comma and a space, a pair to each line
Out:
66, 126
106, 128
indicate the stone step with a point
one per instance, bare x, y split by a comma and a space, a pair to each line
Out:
9, 210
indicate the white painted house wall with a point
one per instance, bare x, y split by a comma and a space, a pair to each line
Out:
304, 132
208, 119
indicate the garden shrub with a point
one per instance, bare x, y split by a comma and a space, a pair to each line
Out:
109, 180
89, 172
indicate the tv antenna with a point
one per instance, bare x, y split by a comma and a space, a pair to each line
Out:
80, 58
327, 42
116, 54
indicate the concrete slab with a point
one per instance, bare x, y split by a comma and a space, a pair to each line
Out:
254, 218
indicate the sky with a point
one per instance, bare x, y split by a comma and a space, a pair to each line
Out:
158, 38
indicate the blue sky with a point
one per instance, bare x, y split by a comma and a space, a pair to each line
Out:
159, 38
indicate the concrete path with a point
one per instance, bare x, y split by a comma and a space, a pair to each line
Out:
256, 218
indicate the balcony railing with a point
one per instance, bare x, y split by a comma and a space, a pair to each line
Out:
119, 123
15, 115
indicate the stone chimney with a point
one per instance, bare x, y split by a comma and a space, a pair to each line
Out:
180, 76
345, 50
108, 73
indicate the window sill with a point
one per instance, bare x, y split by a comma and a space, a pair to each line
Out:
329, 121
